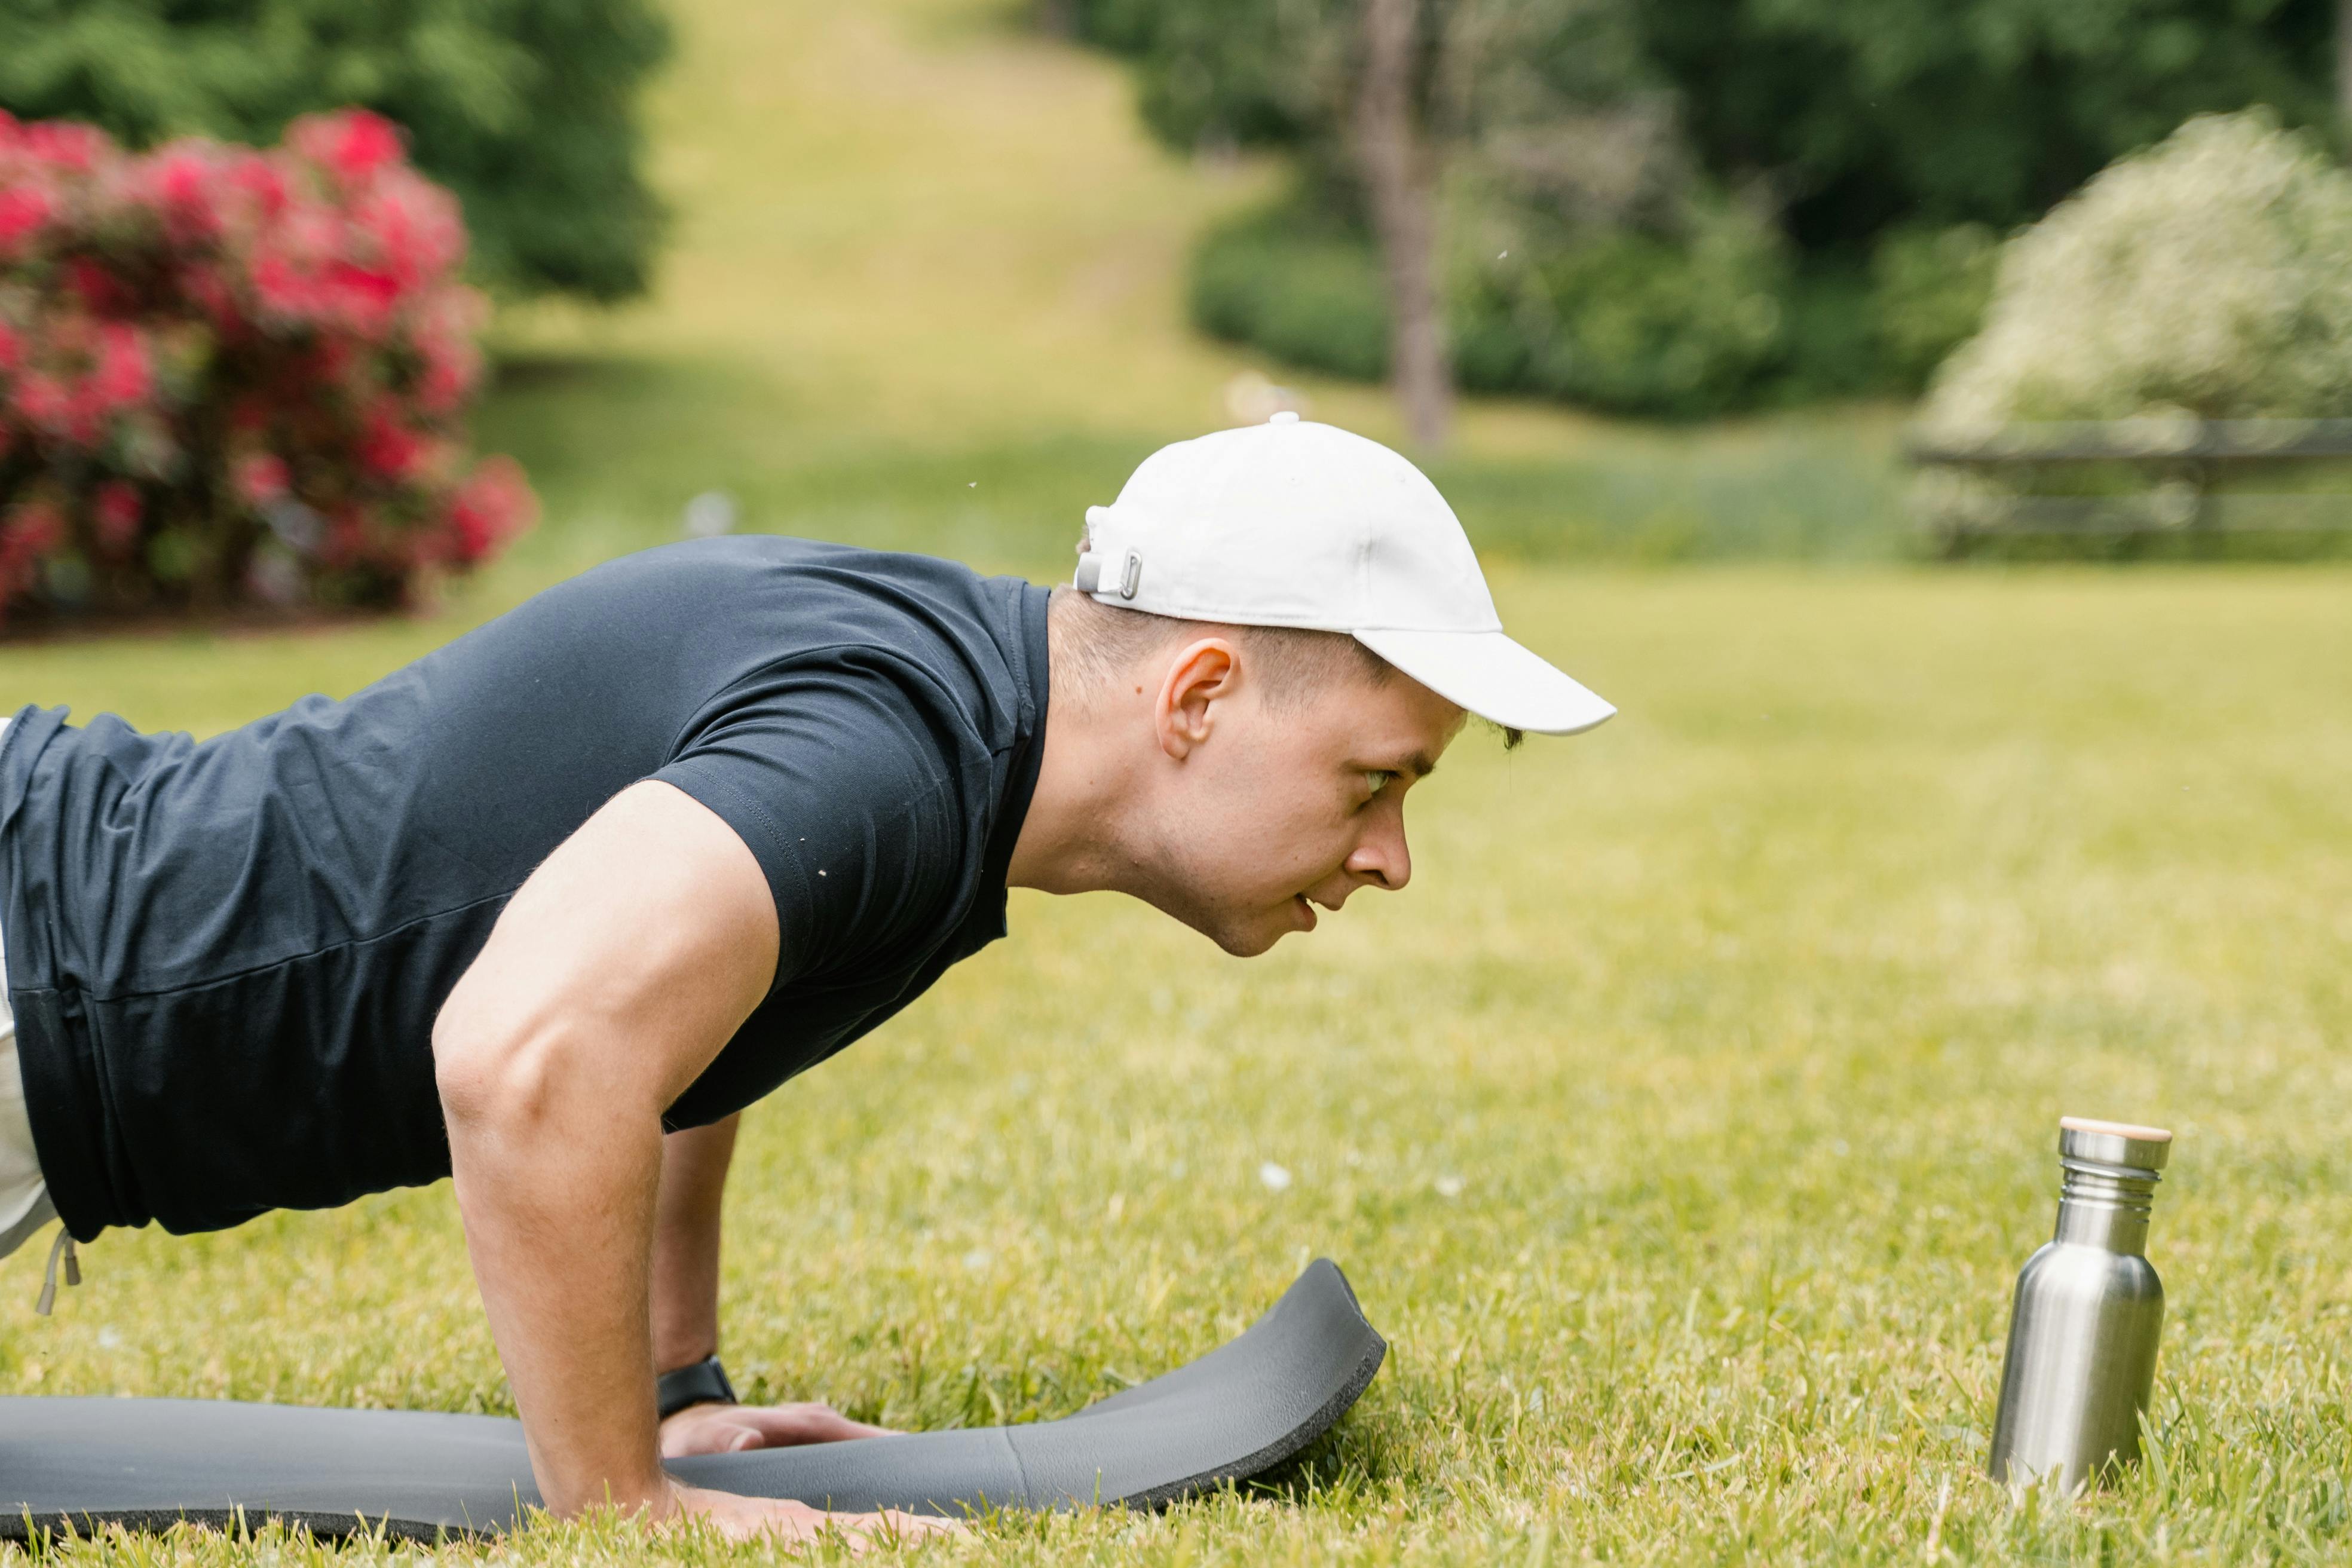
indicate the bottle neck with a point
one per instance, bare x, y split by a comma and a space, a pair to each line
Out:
2105, 1205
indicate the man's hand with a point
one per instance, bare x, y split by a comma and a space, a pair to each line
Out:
732, 1428
747, 1518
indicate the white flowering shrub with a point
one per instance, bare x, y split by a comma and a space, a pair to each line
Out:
2209, 277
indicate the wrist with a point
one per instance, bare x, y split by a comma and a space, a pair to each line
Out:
669, 1500
674, 1351
702, 1381
653, 1494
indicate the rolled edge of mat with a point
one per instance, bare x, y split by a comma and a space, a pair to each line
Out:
1298, 1438
1288, 1446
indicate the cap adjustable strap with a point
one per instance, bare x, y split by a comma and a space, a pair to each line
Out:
1094, 574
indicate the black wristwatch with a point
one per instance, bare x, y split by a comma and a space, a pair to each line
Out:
703, 1383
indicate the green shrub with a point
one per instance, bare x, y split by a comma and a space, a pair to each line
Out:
526, 109
1928, 292
2210, 277
1297, 283
1831, 351
1612, 318
1620, 319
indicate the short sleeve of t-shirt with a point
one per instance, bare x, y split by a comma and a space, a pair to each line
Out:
849, 779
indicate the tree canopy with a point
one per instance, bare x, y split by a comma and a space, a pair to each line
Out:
1680, 206
1866, 113
1851, 116
526, 109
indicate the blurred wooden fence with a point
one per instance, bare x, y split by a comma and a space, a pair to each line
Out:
2134, 475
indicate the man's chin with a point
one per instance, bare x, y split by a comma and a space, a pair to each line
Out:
1247, 940
1243, 936
1246, 943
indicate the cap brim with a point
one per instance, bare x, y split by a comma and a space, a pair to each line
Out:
1494, 677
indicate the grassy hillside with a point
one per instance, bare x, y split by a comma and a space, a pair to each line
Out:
925, 292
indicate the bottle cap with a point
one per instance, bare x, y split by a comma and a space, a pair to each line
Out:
2113, 1143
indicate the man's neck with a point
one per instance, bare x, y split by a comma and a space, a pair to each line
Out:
1075, 837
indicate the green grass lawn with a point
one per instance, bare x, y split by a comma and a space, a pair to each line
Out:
1683, 1124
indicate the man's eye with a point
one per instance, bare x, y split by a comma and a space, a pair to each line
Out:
1376, 780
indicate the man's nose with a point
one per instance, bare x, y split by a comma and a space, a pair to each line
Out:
1381, 857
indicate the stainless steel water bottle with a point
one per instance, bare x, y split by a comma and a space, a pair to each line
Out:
2083, 1332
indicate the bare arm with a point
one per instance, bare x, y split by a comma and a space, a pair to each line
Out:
610, 980
686, 1243
686, 1308
614, 976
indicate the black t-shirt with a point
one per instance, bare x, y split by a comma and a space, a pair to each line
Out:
225, 957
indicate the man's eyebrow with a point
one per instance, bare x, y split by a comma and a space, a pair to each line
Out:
1420, 765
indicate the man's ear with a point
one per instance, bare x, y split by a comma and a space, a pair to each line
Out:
1199, 674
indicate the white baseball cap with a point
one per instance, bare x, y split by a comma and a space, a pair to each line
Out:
1291, 523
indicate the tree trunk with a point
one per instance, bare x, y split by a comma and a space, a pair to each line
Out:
1400, 175
1060, 18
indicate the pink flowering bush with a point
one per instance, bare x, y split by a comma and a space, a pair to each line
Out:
232, 375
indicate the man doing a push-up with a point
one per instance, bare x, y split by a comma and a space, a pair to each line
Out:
545, 910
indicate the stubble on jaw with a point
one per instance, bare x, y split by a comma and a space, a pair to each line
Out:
1167, 883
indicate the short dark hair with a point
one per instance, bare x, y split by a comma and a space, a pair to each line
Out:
1097, 644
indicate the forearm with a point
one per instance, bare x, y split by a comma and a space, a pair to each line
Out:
558, 1192
686, 1243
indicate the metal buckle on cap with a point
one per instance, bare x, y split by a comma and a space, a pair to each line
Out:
1089, 578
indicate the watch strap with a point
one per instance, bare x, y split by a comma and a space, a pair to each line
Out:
703, 1382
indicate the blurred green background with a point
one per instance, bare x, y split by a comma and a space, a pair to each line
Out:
1685, 1122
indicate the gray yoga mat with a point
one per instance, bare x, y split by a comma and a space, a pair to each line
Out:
148, 1463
